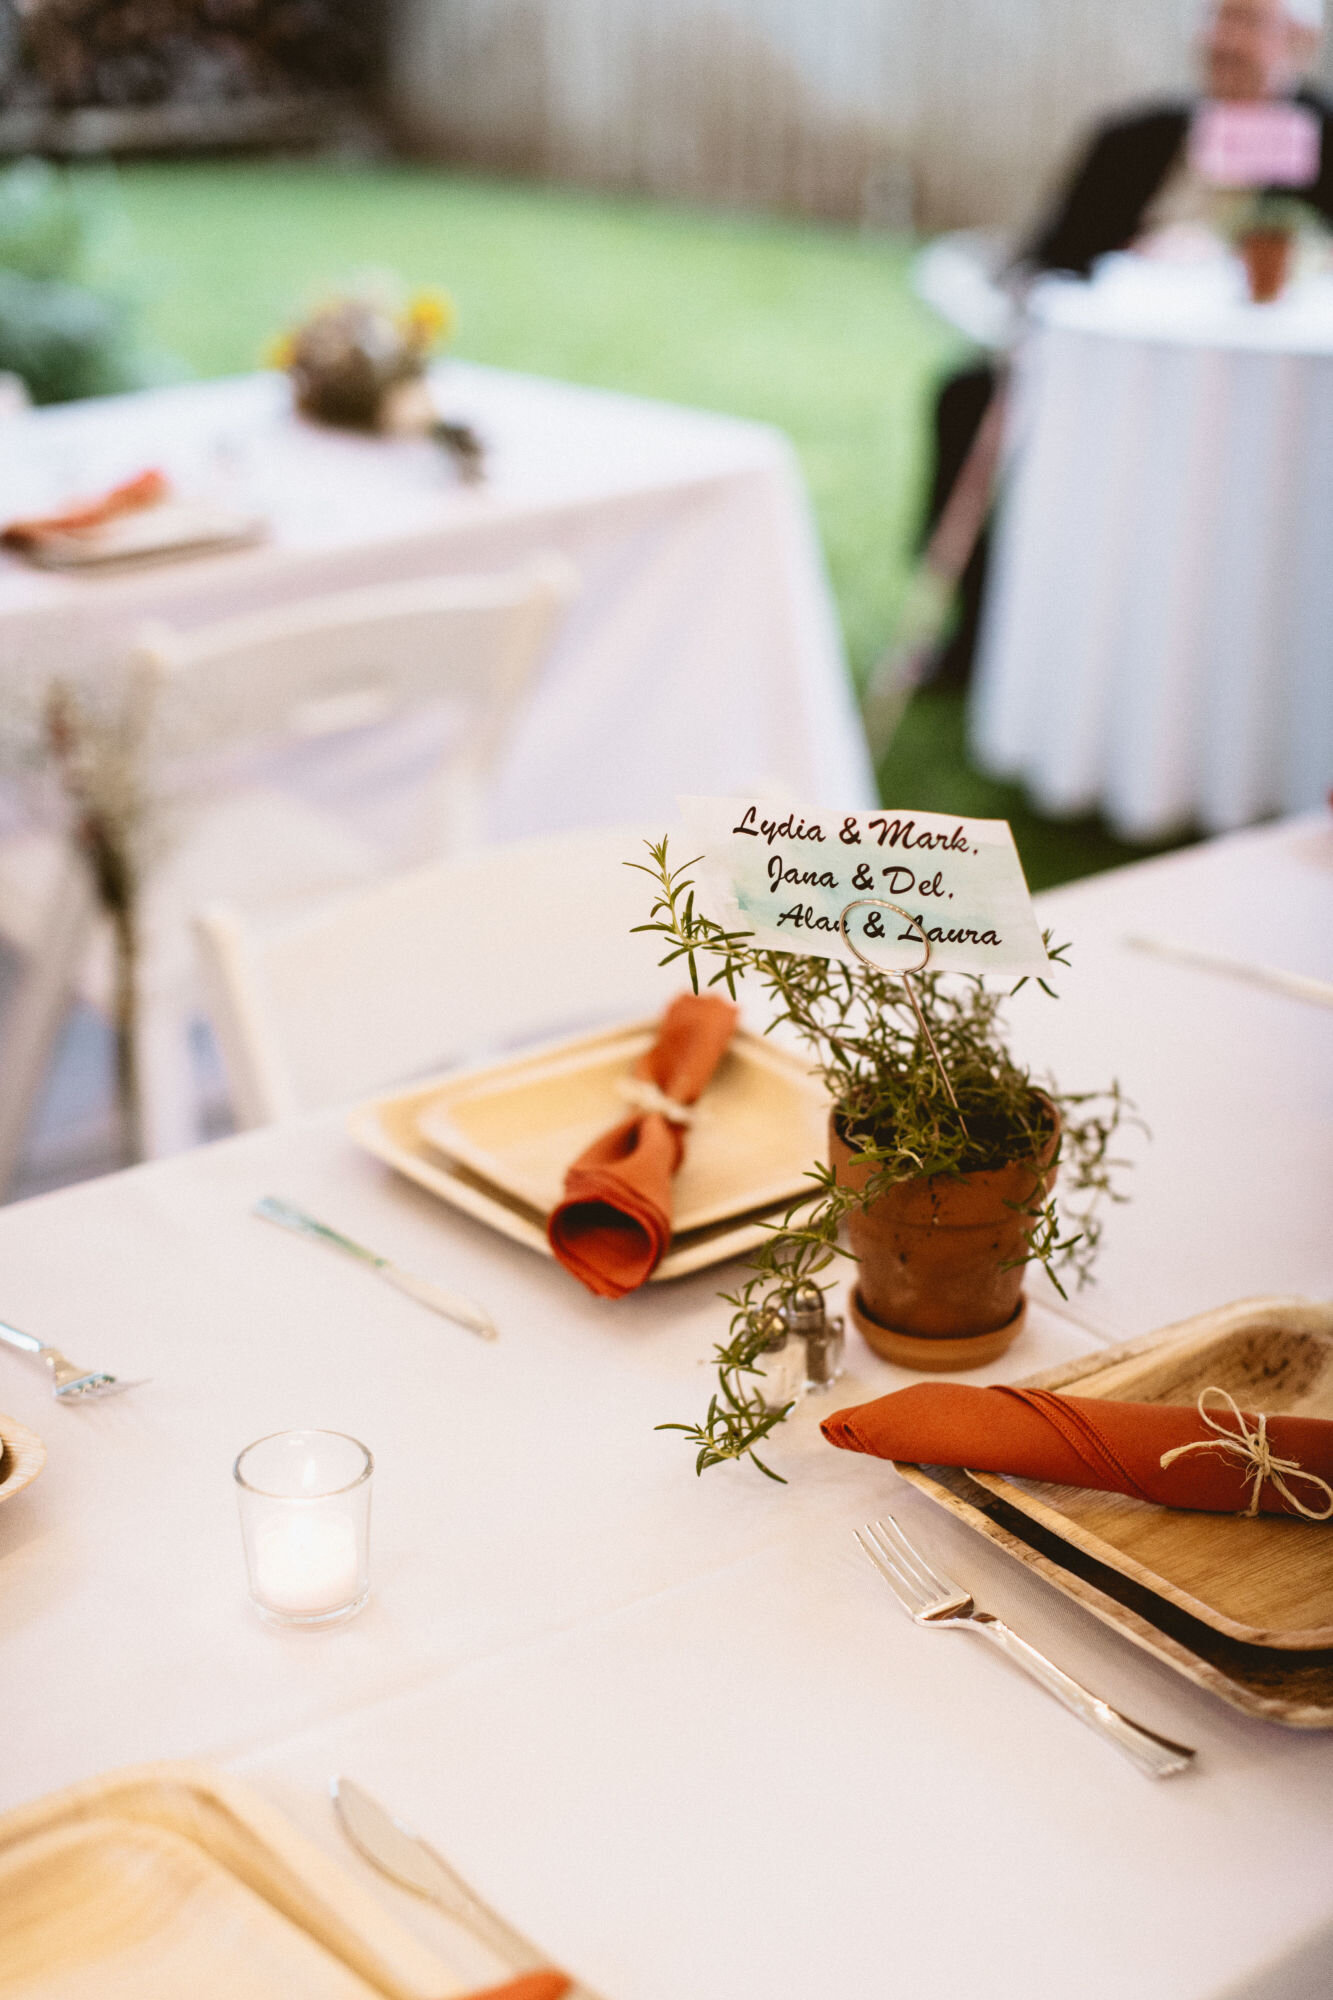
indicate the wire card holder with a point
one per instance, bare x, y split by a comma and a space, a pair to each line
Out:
879, 903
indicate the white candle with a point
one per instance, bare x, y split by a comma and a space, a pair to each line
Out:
305, 1563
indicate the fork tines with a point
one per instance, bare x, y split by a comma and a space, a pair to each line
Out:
89, 1387
918, 1588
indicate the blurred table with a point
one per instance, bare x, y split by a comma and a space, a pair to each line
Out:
676, 1728
702, 656
1160, 612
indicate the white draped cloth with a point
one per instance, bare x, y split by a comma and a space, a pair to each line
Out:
677, 1729
1158, 639
702, 654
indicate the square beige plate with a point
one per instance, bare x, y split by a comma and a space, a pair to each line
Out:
171, 529
23, 1457
496, 1141
173, 1879
1266, 1581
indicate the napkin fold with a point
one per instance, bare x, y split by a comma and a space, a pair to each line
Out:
1115, 1447
614, 1223
146, 489
528, 1986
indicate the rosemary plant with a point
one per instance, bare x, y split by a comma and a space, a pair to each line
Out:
891, 1104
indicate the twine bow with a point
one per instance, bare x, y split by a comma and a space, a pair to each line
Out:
645, 1095
1253, 1447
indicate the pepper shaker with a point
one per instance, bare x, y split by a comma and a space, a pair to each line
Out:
821, 1337
781, 1361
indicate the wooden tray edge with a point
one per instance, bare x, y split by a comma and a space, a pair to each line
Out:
25, 1455
1302, 1314
239, 1829
443, 1137
714, 1243
1130, 1624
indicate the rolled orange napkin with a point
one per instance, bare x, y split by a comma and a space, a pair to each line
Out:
146, 489
1214, 1456
614, 1223
528, 1986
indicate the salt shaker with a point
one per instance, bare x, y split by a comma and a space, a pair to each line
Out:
814, 1331
780, 1361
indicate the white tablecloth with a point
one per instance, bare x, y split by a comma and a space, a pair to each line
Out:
1158, 639
701, 656
677, 1729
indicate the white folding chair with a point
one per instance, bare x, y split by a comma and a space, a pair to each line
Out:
447, 962
264, 686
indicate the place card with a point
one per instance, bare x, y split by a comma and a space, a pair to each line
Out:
1255, 145
787, 876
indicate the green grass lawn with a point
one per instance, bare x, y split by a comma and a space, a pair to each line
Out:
808, 327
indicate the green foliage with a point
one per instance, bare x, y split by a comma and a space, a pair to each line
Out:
806, 325
893, 1106
1264, 210
65, 326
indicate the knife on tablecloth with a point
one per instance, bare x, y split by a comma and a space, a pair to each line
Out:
392, 1847
450, 1304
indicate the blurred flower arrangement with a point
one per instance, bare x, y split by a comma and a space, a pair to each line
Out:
67, 322
359, 363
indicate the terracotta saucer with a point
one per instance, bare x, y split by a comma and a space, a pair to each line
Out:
925, 1351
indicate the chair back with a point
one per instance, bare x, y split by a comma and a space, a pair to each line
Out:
354, 658
446, 963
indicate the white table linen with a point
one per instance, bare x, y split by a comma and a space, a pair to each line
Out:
702, 654
678, 1730
1156, 641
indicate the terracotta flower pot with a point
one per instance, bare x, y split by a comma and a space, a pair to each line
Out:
934, 1291
1267, 256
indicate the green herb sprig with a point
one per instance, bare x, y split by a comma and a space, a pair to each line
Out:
891, 1104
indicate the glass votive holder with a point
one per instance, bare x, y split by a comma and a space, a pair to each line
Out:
304, 1498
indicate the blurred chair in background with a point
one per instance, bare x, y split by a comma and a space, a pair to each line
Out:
447, 963
217, 703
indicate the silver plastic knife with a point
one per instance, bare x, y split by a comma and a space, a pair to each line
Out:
407, 1859
450, 1304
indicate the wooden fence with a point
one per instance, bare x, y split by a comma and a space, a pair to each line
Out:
937, 111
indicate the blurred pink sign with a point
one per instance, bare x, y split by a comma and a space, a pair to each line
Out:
1255, 145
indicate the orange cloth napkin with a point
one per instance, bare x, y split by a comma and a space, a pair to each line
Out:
614, 1223
1081, 1441
529, 1986
146, 489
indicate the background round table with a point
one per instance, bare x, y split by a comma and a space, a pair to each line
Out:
1158, 640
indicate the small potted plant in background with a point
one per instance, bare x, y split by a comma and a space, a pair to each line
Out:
943, 1163
1265, 232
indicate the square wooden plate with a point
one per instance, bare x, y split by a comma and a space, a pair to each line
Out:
496, 1141
174, 1879
23, 1457
173, 529
1265, 1581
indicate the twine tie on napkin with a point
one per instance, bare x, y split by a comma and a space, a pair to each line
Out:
1112, 1447
644, 1095
1253, 1447
614, 1223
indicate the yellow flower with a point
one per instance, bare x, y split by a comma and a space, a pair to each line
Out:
430, 317
280, 352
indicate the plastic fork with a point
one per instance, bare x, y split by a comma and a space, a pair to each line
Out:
932, 1599
69, 1382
